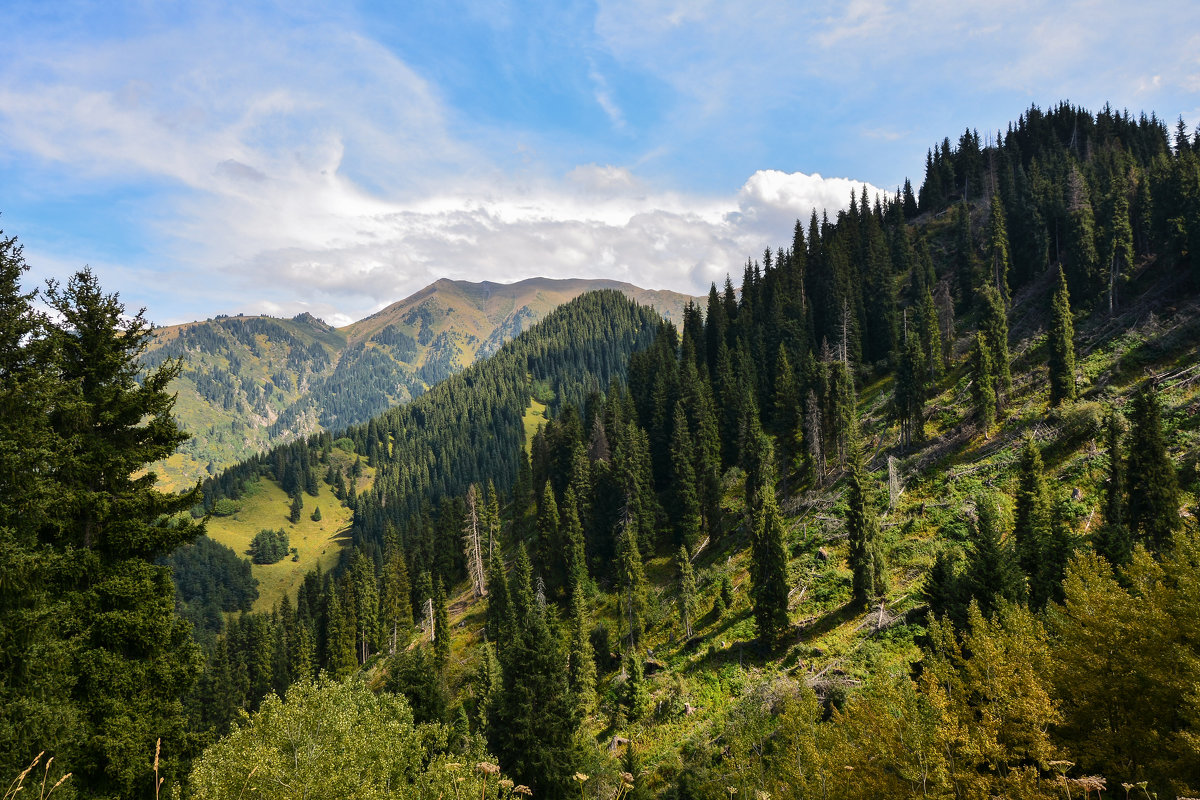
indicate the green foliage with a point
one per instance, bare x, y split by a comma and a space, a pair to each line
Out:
334, 741
688, 602
983, 383
210, 579
862, 526
769, 568
1153, 500
269, 546
1062, 345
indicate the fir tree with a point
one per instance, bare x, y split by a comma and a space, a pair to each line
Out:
908, 396
1062, 345
1153, 505
862, 526
295, 508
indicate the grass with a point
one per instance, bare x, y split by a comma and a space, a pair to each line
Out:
535, 417
317, 543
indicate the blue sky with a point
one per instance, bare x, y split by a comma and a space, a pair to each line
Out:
280, 157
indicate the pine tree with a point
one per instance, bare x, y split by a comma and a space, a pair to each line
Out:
768, 568
983, 384
687, 591
500, 603
862, 526
295, 508
1153, 505
1062, 345
931, 338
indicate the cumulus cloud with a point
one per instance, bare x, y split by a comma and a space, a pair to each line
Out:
336, 185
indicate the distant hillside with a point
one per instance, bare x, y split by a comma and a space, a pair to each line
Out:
249, 383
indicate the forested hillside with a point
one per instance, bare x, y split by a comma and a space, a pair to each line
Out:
912, 511
249, 383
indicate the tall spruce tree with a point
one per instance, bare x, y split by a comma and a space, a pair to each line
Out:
993, 325
1062, 345
1112, 539
768, 568
983, 384
685, 505
1153, 506
131, 657
998, 249
1032, 519
862, 526
992, 574
688, 602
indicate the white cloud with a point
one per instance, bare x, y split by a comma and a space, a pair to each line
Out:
333, 184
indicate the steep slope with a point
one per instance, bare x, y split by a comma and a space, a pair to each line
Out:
249, 383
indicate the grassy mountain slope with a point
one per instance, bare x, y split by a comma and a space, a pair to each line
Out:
251, 382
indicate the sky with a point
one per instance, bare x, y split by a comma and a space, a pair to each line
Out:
242, 157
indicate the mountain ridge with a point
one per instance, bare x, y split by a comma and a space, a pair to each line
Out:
250, 382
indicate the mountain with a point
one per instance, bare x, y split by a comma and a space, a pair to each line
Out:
249, 383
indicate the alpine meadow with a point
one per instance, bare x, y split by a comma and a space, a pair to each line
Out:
906, 506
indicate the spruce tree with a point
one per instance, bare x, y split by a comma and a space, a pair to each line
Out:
983, 384
685, 506
91, 528
441, 625
1032, 520
581, 656
992, 574
572, 535
768, 568
998, 249
1062, 345
862, 526
1112, 540
549, 544
395, 604
687, 591
631, 580
994, 327
1154, 500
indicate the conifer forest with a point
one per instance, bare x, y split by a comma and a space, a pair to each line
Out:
906, 507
